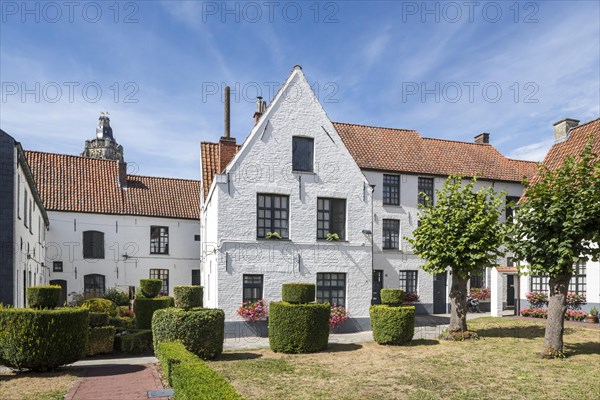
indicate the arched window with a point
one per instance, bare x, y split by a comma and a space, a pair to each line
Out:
93, 285
93, 244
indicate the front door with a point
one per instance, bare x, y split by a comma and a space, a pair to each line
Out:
510, 290
377, 285
439, 294
63, 290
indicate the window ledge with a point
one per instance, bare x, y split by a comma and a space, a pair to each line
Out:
304, 172
333, 241
158, 254
392, 251
273, 240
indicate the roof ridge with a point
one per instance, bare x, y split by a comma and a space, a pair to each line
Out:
68, 155
587, 123
462, 142
375, 126
165, 177
523, 161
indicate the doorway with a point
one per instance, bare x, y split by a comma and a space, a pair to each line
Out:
377, 286
63, 290
510, 291
439, 293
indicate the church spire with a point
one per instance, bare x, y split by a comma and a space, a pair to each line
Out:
104, 146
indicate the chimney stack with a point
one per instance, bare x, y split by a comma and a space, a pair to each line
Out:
227, 144
123, 175
259, 109
562, 128
483, 138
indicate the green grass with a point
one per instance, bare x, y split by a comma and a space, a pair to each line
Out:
503, 364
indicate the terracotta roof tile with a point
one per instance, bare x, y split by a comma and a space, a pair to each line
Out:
81, 184
575, 143
209, 154
403, 150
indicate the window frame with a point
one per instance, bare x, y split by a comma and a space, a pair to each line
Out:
321, 278
252, 285
425, 188
477, 281
322, 232
539, 283
579, 277
97, 251
163, 275
298, 159
57, 266
196, 276
272, 210
509, 212
391, 190
410, 277
88, 291
391, 239
162, 239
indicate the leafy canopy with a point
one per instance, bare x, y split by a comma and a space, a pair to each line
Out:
461, 230
558, 219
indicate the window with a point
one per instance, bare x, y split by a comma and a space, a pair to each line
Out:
477, 279
509, 212
30, 215
57, 266
93, 285
391, 190
159, 240
425, 187
331, 288
196, 238
25, 221
578, 280
253, 288
196, 277
163, 275
331, 217
93, 244
408, 281
19, 196
272, 215
302, 154
539, 283
391, 234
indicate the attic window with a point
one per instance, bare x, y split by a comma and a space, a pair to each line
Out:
302, 154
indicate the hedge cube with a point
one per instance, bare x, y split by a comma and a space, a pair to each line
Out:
392, 325
43, 296
98, 319
298, 293
101, 340
392, 297
101, 305
188, 297
150, 287
298, 328
144, 309
134, 341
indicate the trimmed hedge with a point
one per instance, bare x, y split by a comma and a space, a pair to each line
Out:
298, 293
122, 323
298, 328
144, 308
42, 340
201, 330
101, 305
101, 340
392, 297
150, 287
117, 296
98, 319
392, 325
43, 296
190, 377
134, 341
188, 297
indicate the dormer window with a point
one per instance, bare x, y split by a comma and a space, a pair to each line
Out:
302, 154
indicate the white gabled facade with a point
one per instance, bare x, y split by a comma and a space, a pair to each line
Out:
231, 246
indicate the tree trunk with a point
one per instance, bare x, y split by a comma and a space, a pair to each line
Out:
557, 305
458, 303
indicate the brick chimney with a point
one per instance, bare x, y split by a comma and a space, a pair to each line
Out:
562, 128
227, 144
483, 138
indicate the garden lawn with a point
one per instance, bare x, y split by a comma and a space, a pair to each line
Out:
37, 386
503, 364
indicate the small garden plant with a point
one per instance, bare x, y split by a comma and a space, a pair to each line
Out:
480, 294
338, 316
253, 311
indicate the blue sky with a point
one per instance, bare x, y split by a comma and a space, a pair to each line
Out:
447, 69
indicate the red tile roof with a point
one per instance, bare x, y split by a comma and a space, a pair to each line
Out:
87, 185
575, 143
402, 150
209, 154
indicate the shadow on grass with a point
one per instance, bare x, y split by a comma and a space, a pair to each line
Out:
237, 356
424, 342
340, 347
8, 376
515, 332
582, 348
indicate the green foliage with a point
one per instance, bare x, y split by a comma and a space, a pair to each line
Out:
558, 218
117, 296
150, 288
42, 340
392, 325
101, 305
190, 377
201, 330
101, 340
392, 297
98, 319
298, 328
298, 293
187, 297
43, 296
144, 308
122, 323
461, 230
134, 341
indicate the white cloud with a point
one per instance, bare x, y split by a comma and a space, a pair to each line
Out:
532, 152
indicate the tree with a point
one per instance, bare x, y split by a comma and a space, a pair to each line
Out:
462, 232
558, 221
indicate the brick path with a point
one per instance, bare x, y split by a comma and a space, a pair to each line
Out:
116, 382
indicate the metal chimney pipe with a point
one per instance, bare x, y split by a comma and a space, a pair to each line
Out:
227, 112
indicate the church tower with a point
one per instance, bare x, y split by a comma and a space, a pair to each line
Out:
104, 145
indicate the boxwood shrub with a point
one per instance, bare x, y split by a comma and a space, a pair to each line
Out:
143, 309
392, 325
122, 323
101, 340
43, 296
201, 330
298, 293
190, 377
101, 305
187, 297
42, 340
392, 297
98, 319
150, 287
298, 328
134, 341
